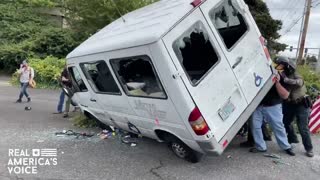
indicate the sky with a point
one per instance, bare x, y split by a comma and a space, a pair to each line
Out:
289, 12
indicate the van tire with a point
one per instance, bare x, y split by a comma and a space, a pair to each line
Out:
181, 150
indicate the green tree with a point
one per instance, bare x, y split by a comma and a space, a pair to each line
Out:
268, 26
87, 17
25, 32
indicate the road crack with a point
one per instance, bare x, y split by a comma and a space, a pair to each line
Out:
153, 170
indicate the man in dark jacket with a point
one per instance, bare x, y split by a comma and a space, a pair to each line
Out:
296, 105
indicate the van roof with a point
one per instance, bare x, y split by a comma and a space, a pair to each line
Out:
142, 26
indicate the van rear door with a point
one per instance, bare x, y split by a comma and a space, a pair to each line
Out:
236, 31
206, 73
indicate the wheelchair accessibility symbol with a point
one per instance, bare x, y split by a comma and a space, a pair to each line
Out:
257, 79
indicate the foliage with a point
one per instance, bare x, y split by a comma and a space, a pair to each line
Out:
80, 120
26, 32
312, 80
268, 26
47, 71
311, 59
87, 17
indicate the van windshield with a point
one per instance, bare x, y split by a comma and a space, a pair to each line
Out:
195, 52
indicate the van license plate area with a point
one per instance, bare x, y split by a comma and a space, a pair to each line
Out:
226, 110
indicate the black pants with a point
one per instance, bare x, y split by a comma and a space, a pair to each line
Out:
301, 113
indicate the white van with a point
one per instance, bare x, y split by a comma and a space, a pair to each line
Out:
186, 72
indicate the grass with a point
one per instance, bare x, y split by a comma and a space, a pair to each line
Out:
80, 120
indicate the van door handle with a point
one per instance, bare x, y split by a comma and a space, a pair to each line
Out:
238, 61
93, 100
83, 105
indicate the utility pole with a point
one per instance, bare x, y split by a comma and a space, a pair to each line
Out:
300, 33
318, 62
304, 32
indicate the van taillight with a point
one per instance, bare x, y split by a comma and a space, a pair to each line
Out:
265, 49
197, 122
196, 3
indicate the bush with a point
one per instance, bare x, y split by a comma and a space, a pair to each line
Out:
312, 80
80, 120
47, 72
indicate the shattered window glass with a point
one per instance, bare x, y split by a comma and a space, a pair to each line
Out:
138, 77
100, 77
229, 22
77, 80
195, 52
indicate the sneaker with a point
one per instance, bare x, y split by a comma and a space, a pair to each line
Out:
18, 101
29, 99
290, 152
65, 115
309, 153
246, 144
255, 150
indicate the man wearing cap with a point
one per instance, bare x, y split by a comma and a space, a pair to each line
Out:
26, 74
296, 106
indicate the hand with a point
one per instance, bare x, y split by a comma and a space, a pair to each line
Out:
277, 78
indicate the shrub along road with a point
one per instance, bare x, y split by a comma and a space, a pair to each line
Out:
92, 158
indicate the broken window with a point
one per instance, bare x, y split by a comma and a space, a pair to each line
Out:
195, 52
138, 77
229, 22
77, 81
100, 77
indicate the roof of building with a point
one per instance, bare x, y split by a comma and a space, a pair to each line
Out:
142, 26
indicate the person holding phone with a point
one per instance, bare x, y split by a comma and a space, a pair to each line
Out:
26, 74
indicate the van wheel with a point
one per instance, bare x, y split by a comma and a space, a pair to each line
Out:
183, 151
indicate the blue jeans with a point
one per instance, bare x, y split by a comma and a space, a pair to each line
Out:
290, 111
61, 101
23, 90
273, 115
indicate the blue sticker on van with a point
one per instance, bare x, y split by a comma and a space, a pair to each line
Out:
257, 79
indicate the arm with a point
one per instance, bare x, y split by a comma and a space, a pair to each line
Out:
20, 70
64, 79
296, 81
283, 93
32, 73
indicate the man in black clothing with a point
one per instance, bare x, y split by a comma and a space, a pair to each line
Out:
296, 105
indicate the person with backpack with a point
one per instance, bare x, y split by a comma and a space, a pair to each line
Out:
26, 74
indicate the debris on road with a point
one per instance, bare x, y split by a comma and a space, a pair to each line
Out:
272, 156
27, 108
280, 162
72, 133
105, 134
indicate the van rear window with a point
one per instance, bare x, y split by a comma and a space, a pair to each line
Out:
195, 52
229, 22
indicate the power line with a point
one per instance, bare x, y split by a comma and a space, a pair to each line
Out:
296, 21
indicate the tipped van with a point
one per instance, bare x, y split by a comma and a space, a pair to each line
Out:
186, 72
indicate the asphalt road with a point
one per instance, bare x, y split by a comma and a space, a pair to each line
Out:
92, 158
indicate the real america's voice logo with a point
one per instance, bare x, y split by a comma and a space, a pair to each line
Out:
27, 161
